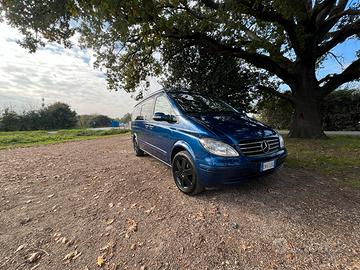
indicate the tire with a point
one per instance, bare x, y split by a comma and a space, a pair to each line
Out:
185, 175
137, 150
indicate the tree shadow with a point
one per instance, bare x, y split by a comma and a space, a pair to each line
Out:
294, 194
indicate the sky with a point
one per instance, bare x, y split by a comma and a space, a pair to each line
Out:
67, 75
56, 74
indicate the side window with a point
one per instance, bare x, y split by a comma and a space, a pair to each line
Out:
147, 109
136, 114
163, 105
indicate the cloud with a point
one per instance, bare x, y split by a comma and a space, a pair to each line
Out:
57, 74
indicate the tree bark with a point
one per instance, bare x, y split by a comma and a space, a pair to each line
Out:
307, 120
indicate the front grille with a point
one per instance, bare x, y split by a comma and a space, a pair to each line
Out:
260, 147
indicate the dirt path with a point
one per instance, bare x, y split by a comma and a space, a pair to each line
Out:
125, 212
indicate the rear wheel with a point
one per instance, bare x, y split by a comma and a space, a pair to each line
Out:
137, 150
184, 173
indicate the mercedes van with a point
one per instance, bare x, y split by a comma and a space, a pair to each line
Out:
205, 141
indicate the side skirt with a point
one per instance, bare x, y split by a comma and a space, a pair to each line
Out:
158, 158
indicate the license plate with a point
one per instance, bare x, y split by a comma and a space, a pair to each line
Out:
267, 165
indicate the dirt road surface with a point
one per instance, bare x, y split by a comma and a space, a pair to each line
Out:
94, 205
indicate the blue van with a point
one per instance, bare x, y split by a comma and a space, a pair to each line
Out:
205, 141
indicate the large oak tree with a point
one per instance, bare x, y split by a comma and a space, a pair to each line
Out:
287, 38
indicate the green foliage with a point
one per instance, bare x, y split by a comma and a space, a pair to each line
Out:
275, 111
126, 35
340, 111
58, 116
288, 39
225, 77
9, 120
40, 137
94, 121
126, 118
55, 116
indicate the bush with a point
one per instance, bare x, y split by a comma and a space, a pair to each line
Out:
94, 121
55, 116
340, 111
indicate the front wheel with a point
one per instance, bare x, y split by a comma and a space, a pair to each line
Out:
137, 150
184, 173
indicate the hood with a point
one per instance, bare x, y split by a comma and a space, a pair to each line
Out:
236, 127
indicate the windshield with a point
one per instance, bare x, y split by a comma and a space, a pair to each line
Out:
195, 103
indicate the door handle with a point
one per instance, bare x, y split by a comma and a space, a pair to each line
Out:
149, 126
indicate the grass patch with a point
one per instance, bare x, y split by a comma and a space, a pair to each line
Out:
40, 137
337, 157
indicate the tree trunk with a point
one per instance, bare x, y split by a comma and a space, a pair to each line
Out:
306, 121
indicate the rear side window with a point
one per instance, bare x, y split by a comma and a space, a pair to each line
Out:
147, 109
163, 105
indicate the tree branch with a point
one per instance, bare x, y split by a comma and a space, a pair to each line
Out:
258, 60
321, 10
258, 10
267, 45
334, 17
276, 93
351, 73
210, 4
339, 37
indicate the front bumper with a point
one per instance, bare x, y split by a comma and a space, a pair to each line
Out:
217, 171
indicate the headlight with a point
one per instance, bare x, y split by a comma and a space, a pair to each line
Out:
218, 148
281, 140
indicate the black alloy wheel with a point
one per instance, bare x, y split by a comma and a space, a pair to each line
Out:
185, 175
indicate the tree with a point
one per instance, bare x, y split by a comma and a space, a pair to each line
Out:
58, 116
94, 121
55, 116
126, 118
222, 76
340, 111
100, 121
287, 38
275, 111
9, 120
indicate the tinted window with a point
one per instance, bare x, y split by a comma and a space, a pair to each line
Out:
163, 105
147, 109
195, 103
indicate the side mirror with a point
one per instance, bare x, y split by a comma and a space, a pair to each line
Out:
159, 116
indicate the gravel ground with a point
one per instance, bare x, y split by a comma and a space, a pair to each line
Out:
94, 205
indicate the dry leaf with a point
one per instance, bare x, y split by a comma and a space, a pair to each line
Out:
133, 205
132, 225
110, 221
198, 216
108, 246
290, 256
34, 257
72, 255
77, 256
20, 248
100, 261
150, 210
